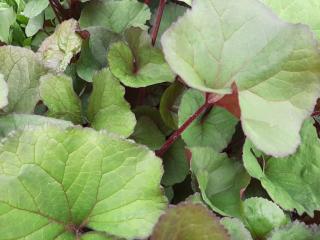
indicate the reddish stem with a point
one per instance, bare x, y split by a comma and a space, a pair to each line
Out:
58, 9
156, 26
187, 123
147, 2
315, 114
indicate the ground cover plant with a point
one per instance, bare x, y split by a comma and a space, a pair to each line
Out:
159, 120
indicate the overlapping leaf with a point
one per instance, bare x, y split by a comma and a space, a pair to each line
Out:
189, 222
107, 107
136, 63
21, 70
7, 18
77, 178
275, 67
58, 49
236, 229
58, 95
293, 181
115, 15
3, 92
220, 180
212, 129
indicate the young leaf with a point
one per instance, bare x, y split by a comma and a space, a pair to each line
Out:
58, 95
189, 221
58, 49
136, 62
261, 216
176, 165
3, 92
7, 18
212, 129
107, 107
21, 70
12, 122
169, 104
147, 133
290, 181
274, 64
94, 51
114, 15
220, 180
298, 12
74, 179
292, 231
35, 7
236, 229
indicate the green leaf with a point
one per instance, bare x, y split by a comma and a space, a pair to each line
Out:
21, 70
220, 180
136, 62
275, 67
3, 92
176, 165
189, 222
212, 129
261, 216
290, 181
292, 231
74, 179
305, 12
147, 132
169, 104
94, 51
35, 7
12, 122
236, 229
58, 95
97, 236
115, 15
34, 25
7, 18
107, 107
58, 49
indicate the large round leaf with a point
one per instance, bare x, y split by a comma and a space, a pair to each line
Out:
58, 182
274, 64
292, 182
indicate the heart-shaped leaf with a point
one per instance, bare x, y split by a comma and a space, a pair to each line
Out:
107, 107
58, 95
115, 15
136, 63
77, 179
275, 67
220, 180
189, 221
291, 181
21, 70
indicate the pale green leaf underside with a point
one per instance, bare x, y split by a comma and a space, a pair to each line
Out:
58, 95
276, 67
21, 70
261, 216
115, 15
3, 92
58, 49
12, 122
77, 176
189, 221
236, 229
107, 107
293, 231
35, 7
290, 181
220, 180
136, 63
298, 11
34, 25
213, 129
